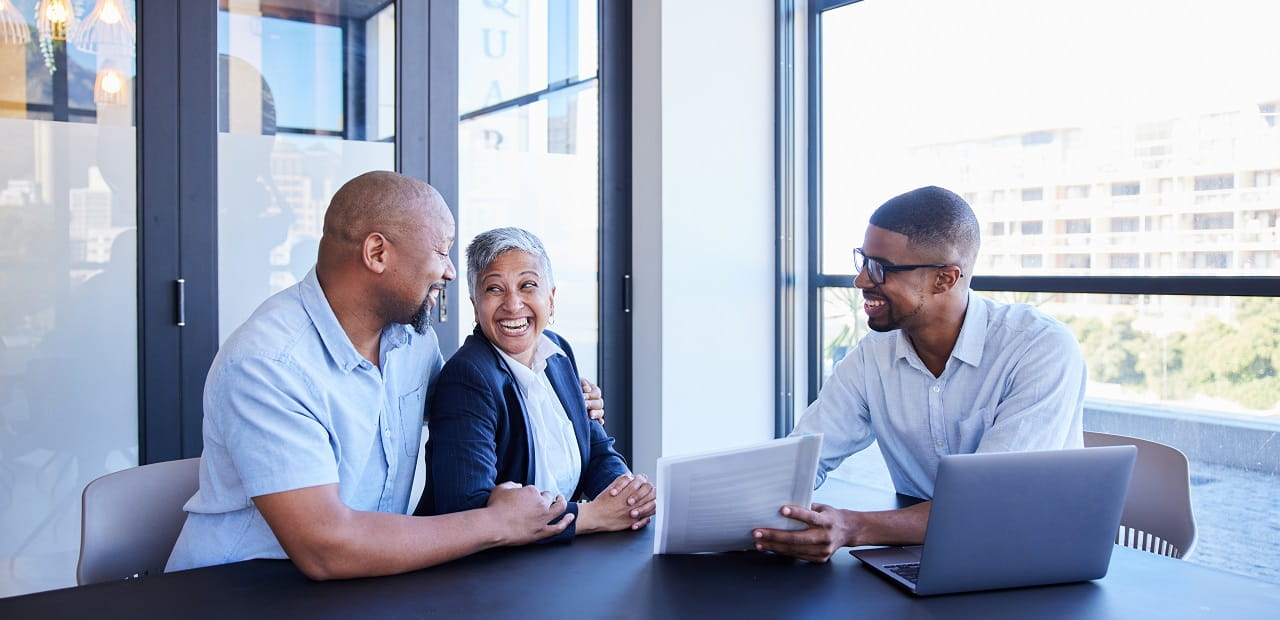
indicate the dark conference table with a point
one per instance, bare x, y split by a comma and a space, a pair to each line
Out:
616, 576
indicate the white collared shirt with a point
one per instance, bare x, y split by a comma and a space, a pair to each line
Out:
1015, 381
557, 465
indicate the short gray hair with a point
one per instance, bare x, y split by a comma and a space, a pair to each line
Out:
489, 245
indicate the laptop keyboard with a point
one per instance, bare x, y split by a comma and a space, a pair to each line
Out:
909, 570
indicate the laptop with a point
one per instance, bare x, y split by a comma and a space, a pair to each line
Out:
1013, 519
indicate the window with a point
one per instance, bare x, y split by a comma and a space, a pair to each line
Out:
1073, 192
1125, 261
1076, 227
306, 101
1073, 261
529, 149
1210, 260
69, 263
1269, 113
1129, 188
997, 229
1212, 221
1124, 224
1164, 164
1214, 182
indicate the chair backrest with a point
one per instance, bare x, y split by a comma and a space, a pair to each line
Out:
1157, 511
131, 519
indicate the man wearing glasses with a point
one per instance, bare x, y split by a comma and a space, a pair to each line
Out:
944, 372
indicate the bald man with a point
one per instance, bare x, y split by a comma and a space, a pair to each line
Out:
313, 408
944, 371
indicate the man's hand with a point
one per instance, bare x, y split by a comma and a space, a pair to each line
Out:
828, 530
628, 503
524, 513
595, 401
831, 528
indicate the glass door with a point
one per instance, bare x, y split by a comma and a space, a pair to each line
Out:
68, 274
306, 101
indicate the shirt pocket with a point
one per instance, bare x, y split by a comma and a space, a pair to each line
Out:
412, 414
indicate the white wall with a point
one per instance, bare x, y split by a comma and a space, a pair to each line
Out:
703, 213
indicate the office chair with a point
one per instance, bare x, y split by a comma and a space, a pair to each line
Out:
1157, 512
131, 519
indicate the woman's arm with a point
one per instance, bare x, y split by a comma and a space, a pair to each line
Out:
461, 445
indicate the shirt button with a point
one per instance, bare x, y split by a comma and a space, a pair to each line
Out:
939, 442
936, 388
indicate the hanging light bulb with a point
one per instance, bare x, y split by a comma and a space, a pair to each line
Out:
107, 28
13, 26
111, 86
54, 18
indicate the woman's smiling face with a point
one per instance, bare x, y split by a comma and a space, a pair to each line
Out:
514, 303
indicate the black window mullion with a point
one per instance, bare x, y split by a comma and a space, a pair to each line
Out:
615, 219
427, 116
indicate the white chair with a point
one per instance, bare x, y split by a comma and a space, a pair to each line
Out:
1157, 512
131, 519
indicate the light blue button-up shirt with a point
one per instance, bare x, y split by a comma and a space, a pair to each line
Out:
290, 404
1015, 381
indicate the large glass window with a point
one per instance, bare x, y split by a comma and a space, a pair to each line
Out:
68, 274
306, 101
529, 147
1093, 138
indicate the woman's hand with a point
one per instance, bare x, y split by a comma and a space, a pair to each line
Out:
628, 503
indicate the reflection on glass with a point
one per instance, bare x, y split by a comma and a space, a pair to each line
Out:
68, 289
306, 102
512, 48
1120, 139
534, 165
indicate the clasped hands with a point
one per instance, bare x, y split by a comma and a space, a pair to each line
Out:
627, 503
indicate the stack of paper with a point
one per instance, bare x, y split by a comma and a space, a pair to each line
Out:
712, 501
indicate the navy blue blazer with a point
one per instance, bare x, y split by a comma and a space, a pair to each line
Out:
480, 436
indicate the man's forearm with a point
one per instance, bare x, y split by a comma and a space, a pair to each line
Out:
904, 526
367, 544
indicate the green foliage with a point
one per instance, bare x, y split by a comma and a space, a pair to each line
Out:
1115, 351
1238, 361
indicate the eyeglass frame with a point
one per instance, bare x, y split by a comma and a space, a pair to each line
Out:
866, 261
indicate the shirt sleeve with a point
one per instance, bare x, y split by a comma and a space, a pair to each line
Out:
840, 414
1043, 403
275, 440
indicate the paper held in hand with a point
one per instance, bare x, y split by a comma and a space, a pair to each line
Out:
712, 501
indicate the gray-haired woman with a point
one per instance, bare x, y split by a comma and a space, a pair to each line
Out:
508, 406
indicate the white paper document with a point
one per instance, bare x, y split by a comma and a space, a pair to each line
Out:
712, 501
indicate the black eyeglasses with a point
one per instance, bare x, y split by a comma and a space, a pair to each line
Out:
876, 269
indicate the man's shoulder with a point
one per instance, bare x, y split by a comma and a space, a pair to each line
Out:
275, 327
1020, 318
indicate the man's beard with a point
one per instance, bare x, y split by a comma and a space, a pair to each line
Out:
421, 320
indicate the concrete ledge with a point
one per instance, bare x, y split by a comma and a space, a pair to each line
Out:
1235, 442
